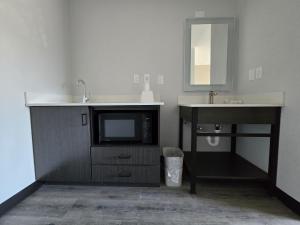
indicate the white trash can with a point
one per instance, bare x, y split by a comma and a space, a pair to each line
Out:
173, 166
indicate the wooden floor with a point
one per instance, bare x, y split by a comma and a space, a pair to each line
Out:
90, 205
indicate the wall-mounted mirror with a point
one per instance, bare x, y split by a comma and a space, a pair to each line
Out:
208, 54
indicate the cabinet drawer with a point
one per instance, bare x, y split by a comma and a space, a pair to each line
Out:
126, 174
145, 155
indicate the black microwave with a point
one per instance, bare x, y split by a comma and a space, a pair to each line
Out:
125, 127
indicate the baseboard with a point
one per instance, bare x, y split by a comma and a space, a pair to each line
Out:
290, 202
17, 198
112, 184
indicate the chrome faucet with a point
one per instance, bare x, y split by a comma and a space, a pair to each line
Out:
212, 94
85, 99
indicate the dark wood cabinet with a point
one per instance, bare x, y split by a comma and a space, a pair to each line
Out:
131, 165
61, 143
128, 175
126, 155
64, 151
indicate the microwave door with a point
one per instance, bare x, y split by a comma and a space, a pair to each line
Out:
120, 127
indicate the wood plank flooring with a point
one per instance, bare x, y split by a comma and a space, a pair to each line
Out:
214, 204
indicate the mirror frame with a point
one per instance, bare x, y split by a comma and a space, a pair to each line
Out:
188, 87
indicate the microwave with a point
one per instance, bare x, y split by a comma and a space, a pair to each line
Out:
117, 127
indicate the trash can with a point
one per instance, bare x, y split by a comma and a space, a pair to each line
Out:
173, 166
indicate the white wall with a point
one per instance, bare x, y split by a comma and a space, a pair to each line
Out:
270, 36
32, 58
255, 150
112, 39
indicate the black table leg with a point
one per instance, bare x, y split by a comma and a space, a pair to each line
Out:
273, 157
233, 139
194, 150
193, 188
180, 145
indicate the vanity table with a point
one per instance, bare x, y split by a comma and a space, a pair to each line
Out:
229, 165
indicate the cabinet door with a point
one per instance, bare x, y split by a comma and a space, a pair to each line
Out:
61, 143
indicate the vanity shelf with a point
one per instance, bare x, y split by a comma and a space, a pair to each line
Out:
233, 134
224, 166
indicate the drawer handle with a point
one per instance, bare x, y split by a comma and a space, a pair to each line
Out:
124, 156
125, 174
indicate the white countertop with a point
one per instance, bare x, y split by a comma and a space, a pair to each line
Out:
228, 105
94, 104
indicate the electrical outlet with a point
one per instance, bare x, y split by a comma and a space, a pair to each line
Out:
147, 78
259, 72
160, 79
136, 78
252, 74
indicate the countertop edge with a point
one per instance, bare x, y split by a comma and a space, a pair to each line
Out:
229, 105
95, 104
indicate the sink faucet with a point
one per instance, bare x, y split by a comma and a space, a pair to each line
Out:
212, 94
84, 97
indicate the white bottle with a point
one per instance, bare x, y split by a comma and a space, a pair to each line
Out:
147, 94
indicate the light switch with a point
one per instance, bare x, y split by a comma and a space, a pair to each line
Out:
160, 79
259, 72
136, 78
252, 74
